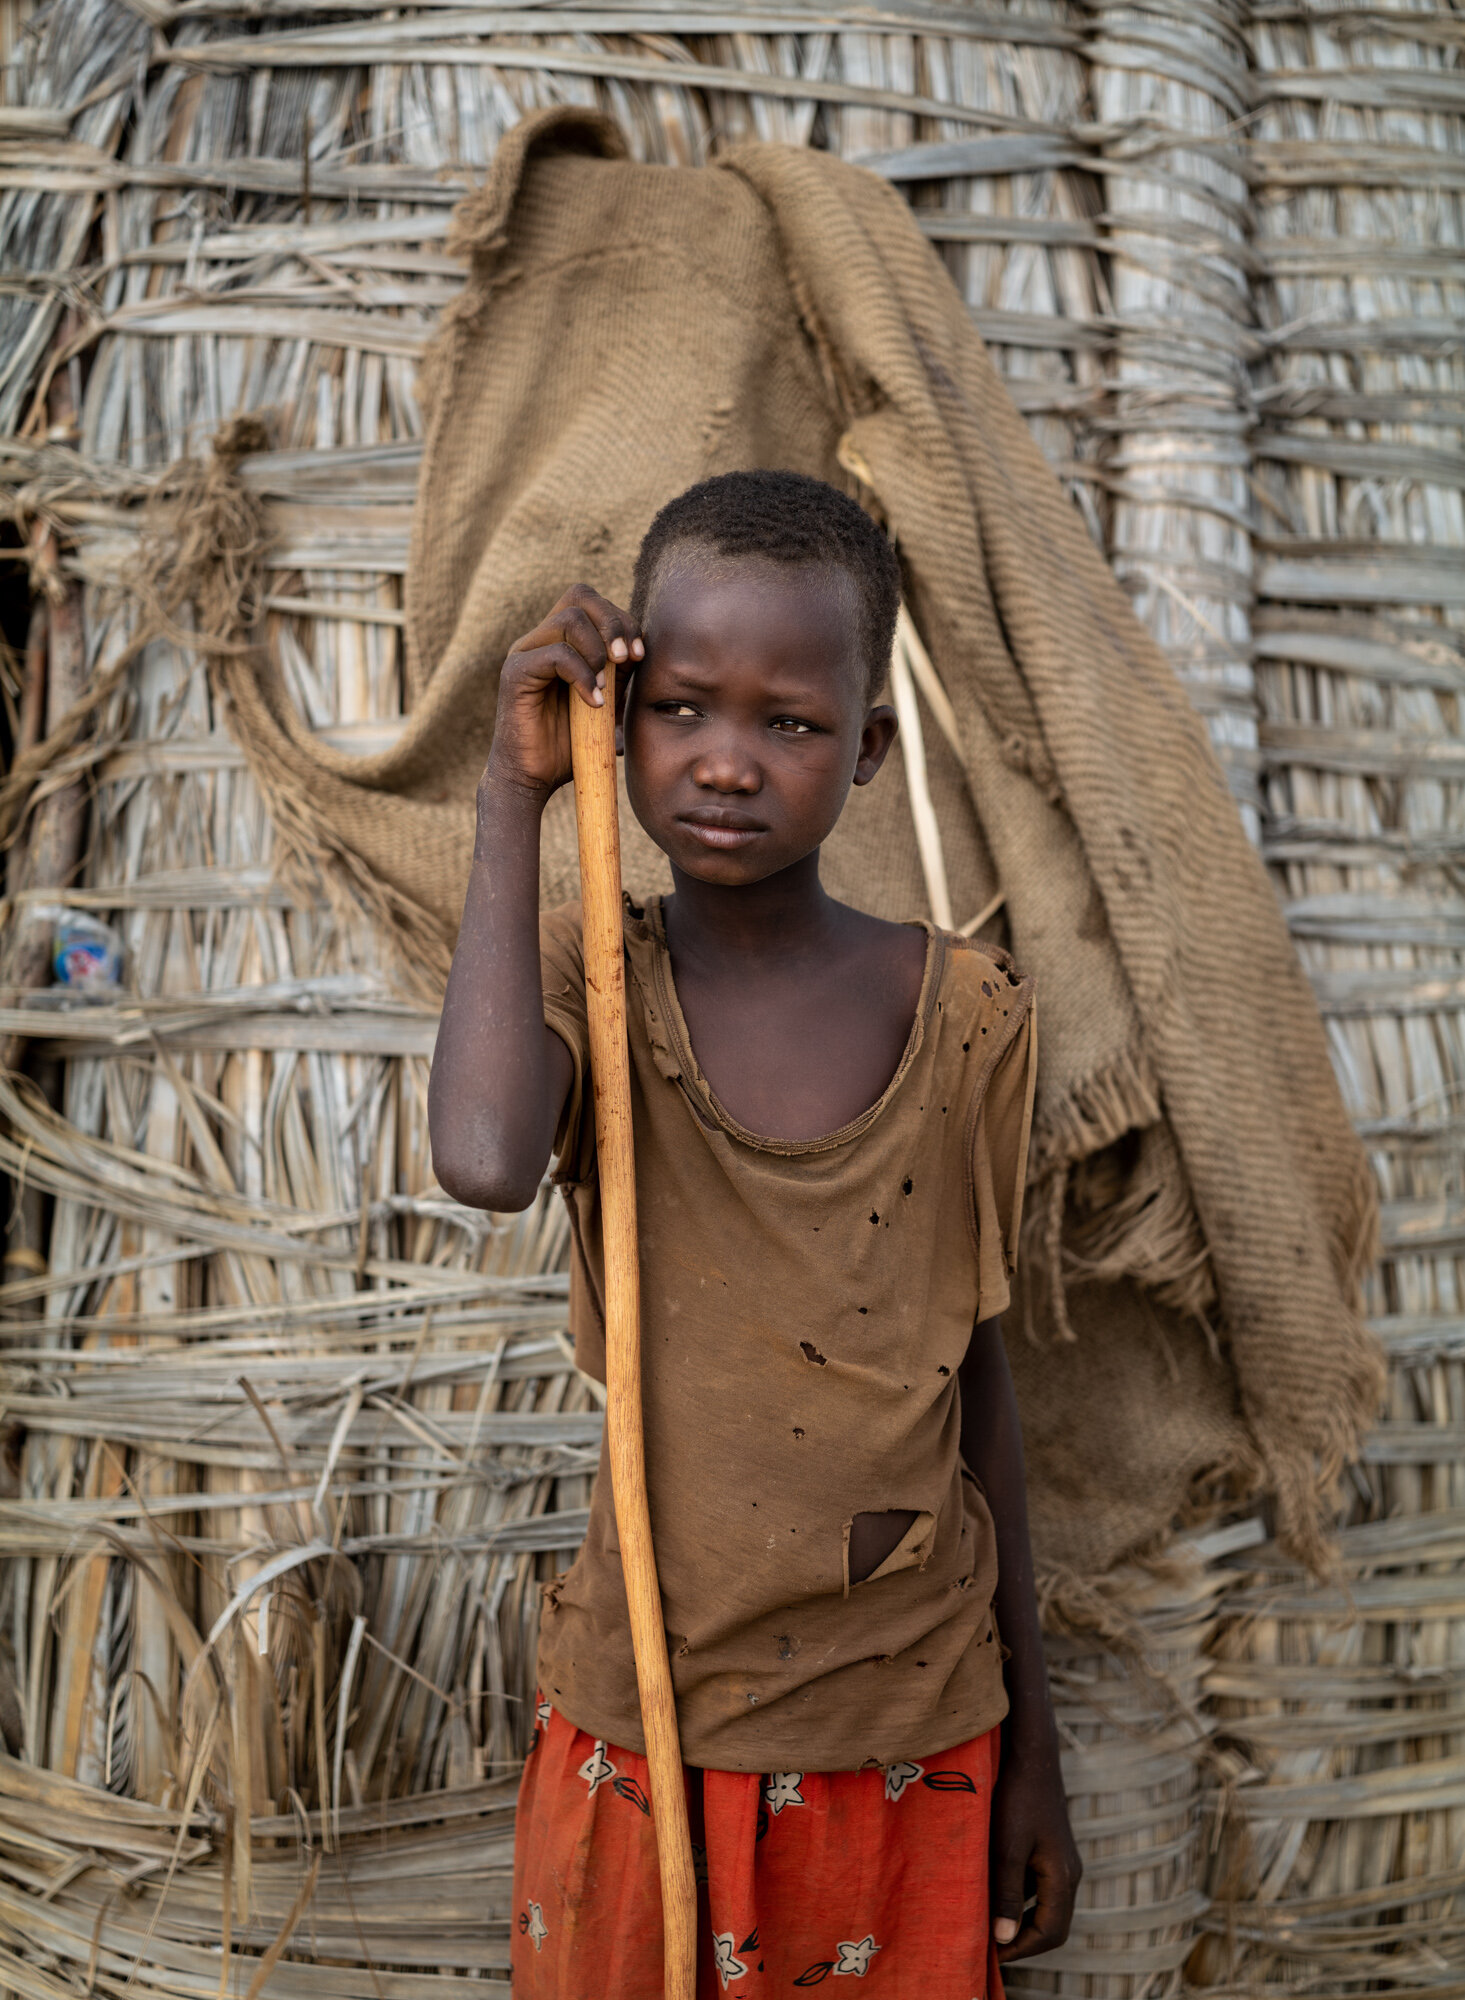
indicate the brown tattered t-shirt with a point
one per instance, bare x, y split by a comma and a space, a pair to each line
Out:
805, 1308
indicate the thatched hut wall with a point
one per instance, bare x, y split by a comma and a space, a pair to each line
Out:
1348, 1702
295, 1437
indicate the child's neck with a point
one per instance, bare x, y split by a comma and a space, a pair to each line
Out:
786, 917
798, 1007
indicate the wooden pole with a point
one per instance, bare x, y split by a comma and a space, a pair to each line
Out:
592, 744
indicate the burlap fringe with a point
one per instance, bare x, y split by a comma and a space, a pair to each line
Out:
1137, 1219
1102, 1611
1084, 1607
1093, 1216
1090, 1115
1306, 1484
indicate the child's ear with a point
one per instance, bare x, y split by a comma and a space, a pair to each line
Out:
875, 740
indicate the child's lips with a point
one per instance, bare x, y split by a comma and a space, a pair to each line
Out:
734, 831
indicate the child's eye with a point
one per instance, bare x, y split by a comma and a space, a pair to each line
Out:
791, 725
676, 708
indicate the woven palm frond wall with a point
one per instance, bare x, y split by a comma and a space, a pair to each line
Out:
290, 1439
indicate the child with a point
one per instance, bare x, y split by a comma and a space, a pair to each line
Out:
831, 1121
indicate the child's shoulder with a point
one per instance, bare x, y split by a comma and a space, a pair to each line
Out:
973, 959
562, 935
980, 980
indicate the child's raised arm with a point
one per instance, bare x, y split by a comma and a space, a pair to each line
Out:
499, 1075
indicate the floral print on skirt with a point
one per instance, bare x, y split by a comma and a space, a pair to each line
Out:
803, 1876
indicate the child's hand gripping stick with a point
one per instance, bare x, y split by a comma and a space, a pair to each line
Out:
593, 750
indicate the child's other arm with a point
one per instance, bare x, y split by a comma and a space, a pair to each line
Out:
499, 1075
1033, 1852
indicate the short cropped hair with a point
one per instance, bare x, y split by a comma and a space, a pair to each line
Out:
785, 517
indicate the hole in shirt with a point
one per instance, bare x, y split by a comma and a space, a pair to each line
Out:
872, 1537
811, 1353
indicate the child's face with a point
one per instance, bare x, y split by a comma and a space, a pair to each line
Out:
747, 722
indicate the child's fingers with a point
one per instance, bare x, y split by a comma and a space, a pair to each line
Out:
617, 632
607, 637
584, 640
1046, 1925
1038, 1934
562, 661
1008, 1896
580, 630
589, 622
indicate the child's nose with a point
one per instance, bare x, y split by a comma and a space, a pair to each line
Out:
726, 766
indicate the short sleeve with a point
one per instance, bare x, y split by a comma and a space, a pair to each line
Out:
562, 981
1003, 1127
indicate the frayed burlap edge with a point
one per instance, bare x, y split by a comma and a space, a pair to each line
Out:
1125, 1097
1082, 1121
1305, 1479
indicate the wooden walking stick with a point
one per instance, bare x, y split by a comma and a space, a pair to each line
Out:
593, 751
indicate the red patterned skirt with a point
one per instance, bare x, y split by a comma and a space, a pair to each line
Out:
803, 1876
